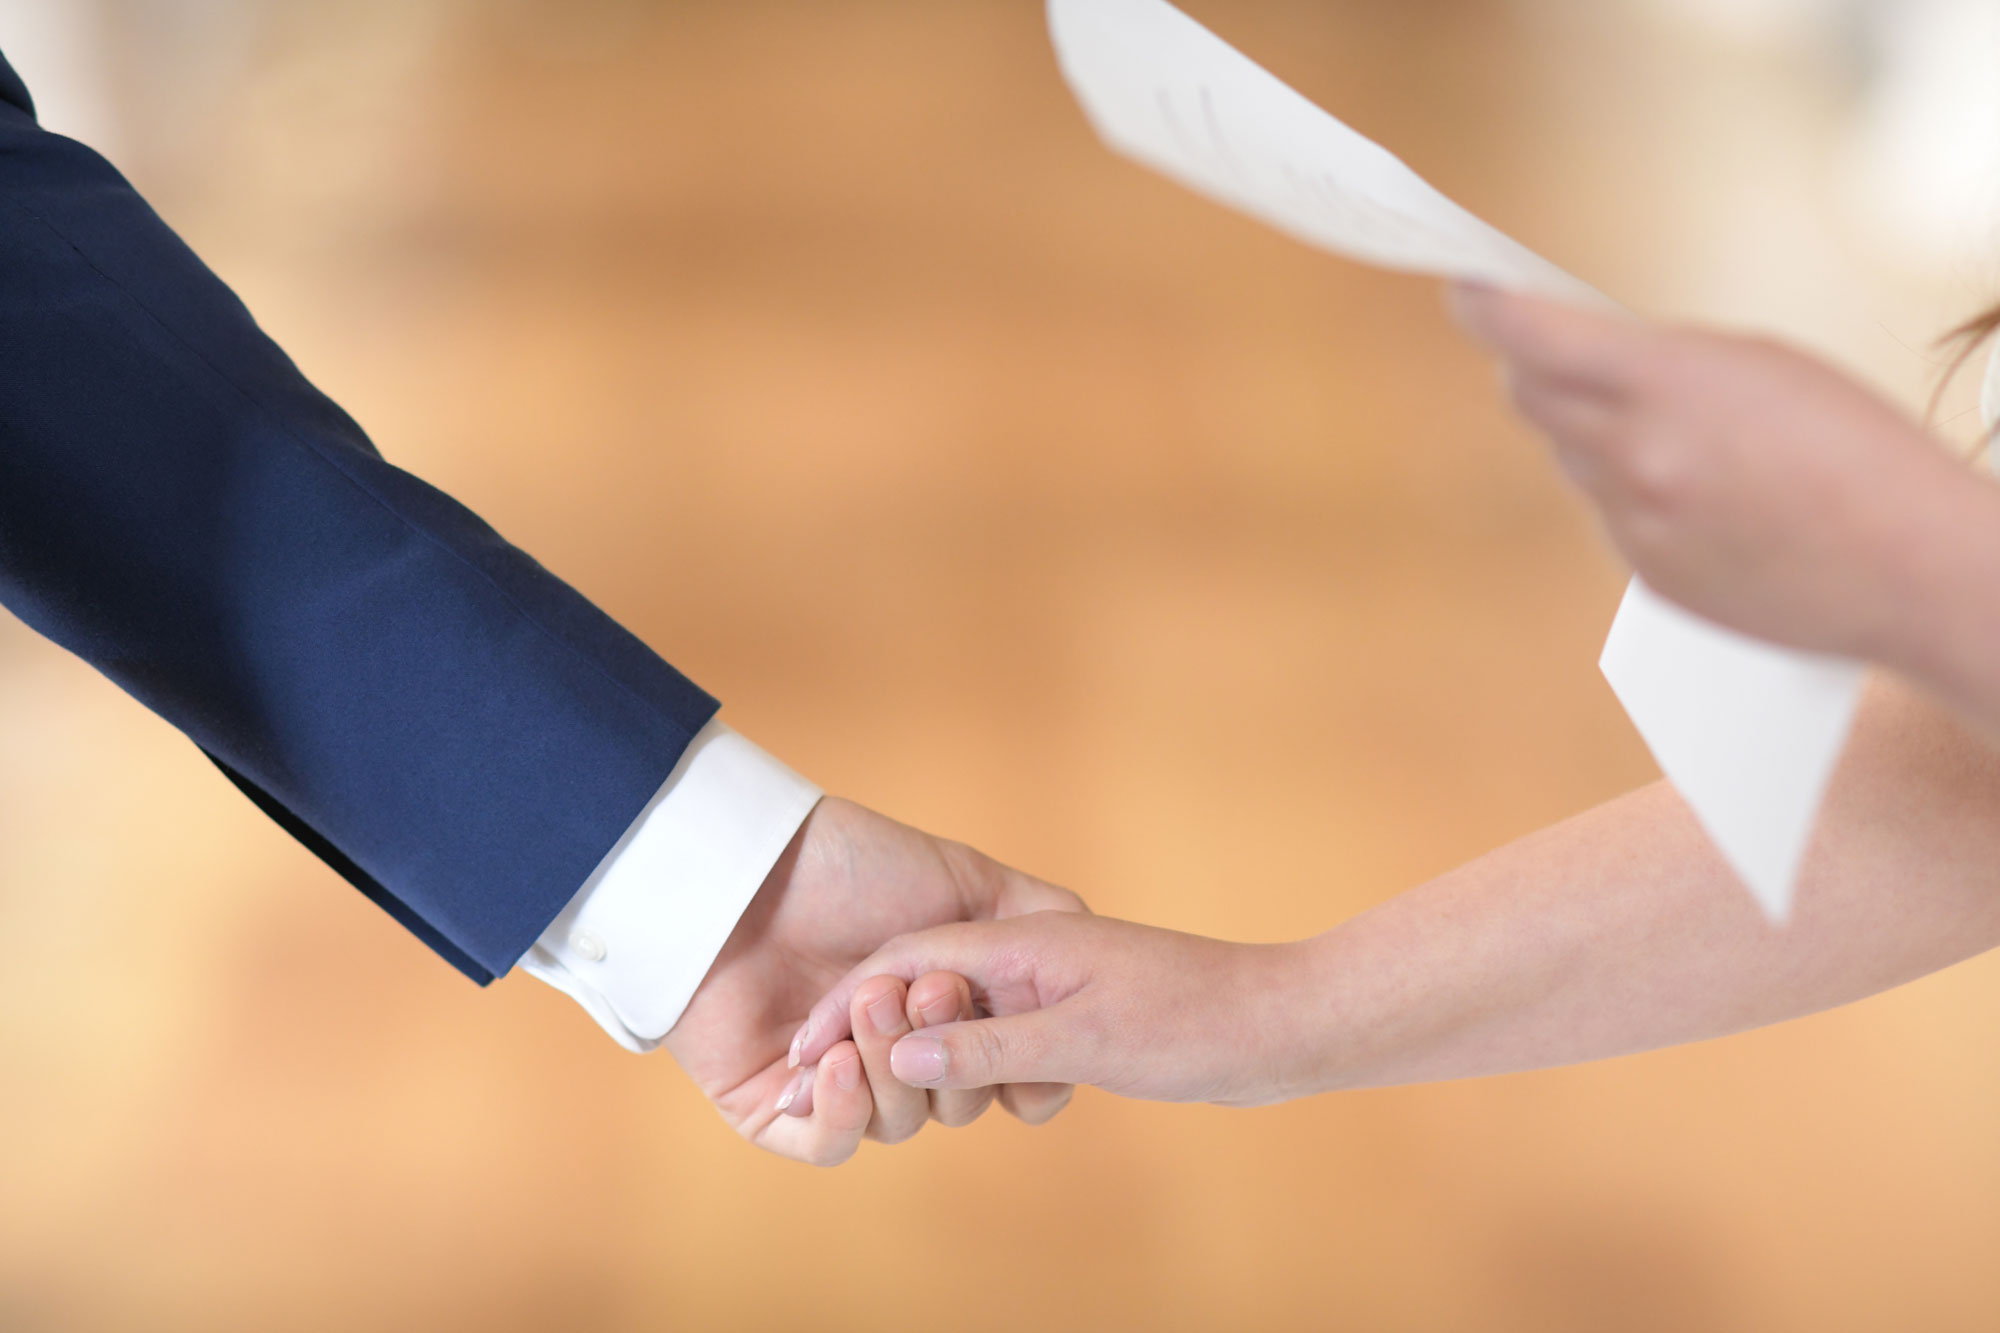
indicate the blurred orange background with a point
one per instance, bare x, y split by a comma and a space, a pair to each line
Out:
1004, 487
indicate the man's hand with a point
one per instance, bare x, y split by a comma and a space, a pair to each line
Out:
850, 881
1749, 483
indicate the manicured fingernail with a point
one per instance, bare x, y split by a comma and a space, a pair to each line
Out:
917, 1061
847, 1074
798, 1045
941, 1010
789, 1099
793, 1089
885, 1011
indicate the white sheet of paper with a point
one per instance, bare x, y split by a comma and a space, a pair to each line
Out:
1748, 733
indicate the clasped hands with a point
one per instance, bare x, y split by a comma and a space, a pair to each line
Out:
883, 978
810, 1033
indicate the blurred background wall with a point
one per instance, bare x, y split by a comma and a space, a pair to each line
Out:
998, 484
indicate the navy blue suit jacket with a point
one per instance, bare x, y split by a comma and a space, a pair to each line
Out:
450, 726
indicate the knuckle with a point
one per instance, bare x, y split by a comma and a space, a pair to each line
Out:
1657, 473
1049, 1101
867, 995
1057, 1104
981, 1055
876, 987
958, 1112
898, 1130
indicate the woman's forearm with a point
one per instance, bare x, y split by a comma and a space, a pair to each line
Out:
1621, 930
1617, 931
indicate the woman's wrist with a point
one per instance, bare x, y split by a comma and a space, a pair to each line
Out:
1386, 996
1946, 632
1289, 1020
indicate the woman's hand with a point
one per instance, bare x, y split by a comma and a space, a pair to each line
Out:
1086, 999
850, 880
1753, 485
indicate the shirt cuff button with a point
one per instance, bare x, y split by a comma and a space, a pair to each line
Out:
587, 946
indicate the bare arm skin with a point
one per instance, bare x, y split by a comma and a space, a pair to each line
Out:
1617, 931
1621, 930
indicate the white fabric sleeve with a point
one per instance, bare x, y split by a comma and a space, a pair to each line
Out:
640, 934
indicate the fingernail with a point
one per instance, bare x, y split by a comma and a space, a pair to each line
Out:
943, 1009
917, 1061
793, 1089
885, 1011
847, 1074
798, 1045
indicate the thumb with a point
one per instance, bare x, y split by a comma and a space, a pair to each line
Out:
1035, 1047
1585, 348
967, 948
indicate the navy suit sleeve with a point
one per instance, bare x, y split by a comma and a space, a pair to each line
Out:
451, 727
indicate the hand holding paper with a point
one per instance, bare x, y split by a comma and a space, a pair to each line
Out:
1748, 733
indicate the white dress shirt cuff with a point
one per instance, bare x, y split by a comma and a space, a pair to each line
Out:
640, 934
